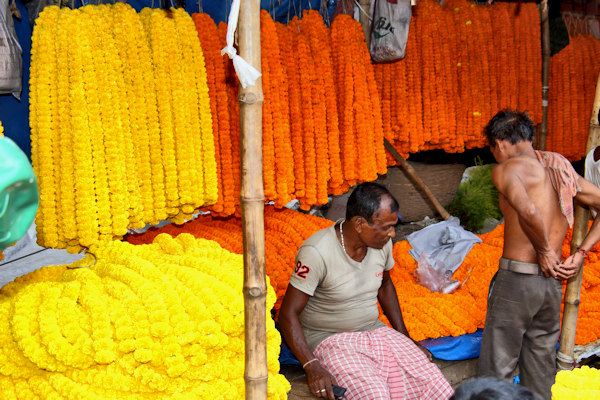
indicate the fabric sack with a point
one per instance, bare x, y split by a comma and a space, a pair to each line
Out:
11, 63
389, 30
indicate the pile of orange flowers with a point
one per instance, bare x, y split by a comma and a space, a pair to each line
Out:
322, 123
464, 62
426, 314
285, 230
573, 76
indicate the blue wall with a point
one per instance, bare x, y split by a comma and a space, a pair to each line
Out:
14, 114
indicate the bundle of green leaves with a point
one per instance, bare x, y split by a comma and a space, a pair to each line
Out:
476, 199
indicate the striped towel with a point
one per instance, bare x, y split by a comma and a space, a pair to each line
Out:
564, 180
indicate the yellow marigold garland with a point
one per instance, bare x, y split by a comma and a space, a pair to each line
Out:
144, 322
133, 52
580, 383
104, 169
43, 59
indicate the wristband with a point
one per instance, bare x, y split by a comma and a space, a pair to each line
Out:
583, 252
308, 362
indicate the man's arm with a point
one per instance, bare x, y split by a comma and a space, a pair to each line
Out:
589, 195
388, 299
509, 183
318, 377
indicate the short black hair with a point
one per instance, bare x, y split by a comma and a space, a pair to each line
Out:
490, 388
365, 201
514, 126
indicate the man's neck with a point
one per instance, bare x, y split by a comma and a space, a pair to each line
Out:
523, 149
354, 247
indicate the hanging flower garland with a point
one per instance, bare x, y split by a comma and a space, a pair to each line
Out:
570, 102
43, 125
450, 86
109, 168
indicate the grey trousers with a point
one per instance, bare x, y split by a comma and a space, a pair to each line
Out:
522, 324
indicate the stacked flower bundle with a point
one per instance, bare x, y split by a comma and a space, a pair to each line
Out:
573, 75
120, 120
285, 230
160, 321
580, 383
431, 315
322, 128
464, 63
426, 314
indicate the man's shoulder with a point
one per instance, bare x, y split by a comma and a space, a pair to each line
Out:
319, 238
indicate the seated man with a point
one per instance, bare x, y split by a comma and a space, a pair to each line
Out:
329, 314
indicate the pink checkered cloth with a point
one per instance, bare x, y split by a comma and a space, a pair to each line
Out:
381, 364
564, 180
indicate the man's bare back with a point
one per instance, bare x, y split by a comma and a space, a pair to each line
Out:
534, 179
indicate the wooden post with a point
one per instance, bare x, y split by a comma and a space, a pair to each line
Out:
545, 72
365, 17
252, 200
580, 229
421, 185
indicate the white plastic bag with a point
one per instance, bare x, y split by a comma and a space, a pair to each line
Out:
435, 275
389, 30
11, 63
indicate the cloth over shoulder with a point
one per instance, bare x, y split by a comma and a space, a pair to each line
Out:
564, 178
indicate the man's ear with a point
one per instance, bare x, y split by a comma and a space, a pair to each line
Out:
501, 145
358, 223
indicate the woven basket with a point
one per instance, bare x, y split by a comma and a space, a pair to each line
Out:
442, 180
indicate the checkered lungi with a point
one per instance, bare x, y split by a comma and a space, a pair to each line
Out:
381, 364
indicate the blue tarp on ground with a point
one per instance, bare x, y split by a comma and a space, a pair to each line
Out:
14, 114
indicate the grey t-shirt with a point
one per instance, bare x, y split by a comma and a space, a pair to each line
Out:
343, 291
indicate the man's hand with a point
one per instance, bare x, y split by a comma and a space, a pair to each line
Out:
570, 267
320, 380
549, 263
424, 350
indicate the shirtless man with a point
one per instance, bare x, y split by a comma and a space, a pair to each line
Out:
536, 199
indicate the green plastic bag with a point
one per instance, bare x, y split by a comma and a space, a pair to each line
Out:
19, 197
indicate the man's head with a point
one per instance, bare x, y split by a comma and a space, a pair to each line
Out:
374, 212
490, 388
511, 126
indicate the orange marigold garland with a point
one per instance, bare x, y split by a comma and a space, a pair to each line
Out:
276, 99
340, 36
313, 26
286, 42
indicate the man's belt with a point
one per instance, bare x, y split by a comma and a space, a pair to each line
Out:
520, 267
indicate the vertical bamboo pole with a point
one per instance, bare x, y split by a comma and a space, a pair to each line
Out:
573, 291
545, 72
252, 200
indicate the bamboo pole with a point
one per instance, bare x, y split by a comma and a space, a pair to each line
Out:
252, 200
421, 185
573, 292
545, 72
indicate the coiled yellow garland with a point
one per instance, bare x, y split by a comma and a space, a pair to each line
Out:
158, 321
580, 383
